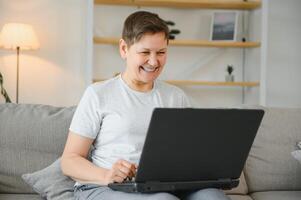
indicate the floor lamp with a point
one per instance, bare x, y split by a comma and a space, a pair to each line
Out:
16, 36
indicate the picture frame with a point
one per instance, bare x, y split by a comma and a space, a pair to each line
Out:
224, 26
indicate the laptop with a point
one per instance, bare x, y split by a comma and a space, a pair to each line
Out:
192, 148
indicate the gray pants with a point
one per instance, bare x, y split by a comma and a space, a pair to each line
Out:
96, 192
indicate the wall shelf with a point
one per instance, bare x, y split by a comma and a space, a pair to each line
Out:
204, 83
192, 43
212, 83
210, 4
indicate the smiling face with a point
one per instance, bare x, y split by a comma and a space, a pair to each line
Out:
145, 60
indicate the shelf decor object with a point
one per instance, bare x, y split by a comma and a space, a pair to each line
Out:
224, 26
230, 76
17, 36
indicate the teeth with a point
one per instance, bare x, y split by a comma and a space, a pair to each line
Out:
149, 69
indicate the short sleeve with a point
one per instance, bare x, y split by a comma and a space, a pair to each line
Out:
86, 120
185, 101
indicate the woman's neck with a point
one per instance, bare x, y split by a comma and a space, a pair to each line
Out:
136, 84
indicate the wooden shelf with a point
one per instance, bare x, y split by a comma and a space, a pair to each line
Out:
209, 4
204, 83
192, 43
212, 83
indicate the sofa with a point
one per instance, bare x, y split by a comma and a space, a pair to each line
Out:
32, 138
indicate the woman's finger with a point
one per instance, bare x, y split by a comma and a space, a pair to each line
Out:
118, 179
124, 169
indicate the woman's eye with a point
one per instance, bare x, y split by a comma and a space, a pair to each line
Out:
161, 52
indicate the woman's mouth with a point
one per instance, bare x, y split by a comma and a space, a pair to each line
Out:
149, 69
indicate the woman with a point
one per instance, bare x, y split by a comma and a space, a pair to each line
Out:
114, 116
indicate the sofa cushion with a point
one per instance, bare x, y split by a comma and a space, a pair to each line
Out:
31, 138
50, 182
277, 195
240, 197
270, 165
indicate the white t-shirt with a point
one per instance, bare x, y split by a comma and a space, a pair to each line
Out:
117, 117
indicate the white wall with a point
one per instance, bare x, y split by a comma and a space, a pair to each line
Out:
283, 70
278, 61
56, 74
253, 57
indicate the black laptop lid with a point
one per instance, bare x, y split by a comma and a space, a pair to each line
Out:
197, 144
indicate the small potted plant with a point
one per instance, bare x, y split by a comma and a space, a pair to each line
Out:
3, 91
172, 32
230, 76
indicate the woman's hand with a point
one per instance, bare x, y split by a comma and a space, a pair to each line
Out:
120, 171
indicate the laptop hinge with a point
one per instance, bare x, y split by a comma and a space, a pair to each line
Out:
153, 182
225, 180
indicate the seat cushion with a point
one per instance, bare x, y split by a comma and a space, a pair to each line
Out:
20, 197
240, 197
31, 138
270, 165
277, 195
241, 189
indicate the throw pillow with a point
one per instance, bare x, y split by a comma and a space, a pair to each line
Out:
50, 182
297, 154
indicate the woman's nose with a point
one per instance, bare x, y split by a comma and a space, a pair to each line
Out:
153, 61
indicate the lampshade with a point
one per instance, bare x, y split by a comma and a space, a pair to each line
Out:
15, 35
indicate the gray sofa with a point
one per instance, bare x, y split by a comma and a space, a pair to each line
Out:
32, 137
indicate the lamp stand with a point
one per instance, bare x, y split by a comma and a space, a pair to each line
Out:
17, 89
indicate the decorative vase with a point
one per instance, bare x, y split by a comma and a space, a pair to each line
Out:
229, 78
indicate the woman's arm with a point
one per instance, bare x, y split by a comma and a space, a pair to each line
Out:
75, 164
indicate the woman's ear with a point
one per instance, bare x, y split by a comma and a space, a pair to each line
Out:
122, 49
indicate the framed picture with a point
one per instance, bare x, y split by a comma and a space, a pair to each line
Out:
223, 26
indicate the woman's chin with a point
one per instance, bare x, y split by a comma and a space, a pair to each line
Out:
148, 78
